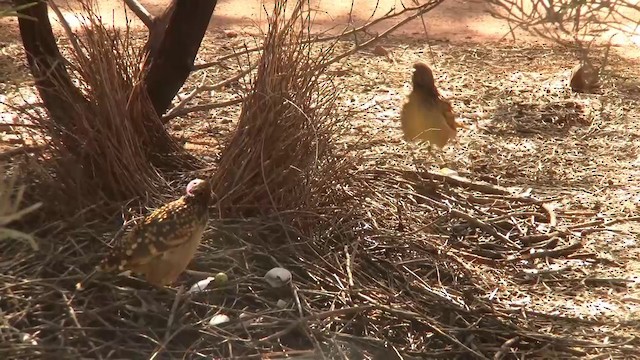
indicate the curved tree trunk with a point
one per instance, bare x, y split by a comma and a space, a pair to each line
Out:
47, 67
173, 44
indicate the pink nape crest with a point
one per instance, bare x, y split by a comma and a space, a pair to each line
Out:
192, 185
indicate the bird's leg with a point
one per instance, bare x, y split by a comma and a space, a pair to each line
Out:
441, 157
435, 152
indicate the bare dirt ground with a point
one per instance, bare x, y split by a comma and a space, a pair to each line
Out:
526, 129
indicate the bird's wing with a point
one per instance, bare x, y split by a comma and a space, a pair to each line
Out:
422, 120
412, 121
449, 116
164, 229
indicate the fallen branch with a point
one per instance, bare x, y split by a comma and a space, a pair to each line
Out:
20, 151
179, 110
203, 107
452, 178
529, 274
552, 253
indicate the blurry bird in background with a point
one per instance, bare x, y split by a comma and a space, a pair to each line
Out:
426, 116
585, 77
161, 246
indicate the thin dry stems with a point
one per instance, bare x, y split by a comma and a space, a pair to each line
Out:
570, 23
418, 11
115, 146
391, 14
11, 196
282, 148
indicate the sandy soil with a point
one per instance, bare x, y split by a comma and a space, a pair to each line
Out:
453, 20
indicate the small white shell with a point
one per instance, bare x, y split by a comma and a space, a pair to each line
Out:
278, 277
281, 304
218, 319
200, 285
28, 338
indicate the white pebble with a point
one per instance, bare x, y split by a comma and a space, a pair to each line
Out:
278, 277
218, 319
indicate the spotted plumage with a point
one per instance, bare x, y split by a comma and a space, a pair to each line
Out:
161, 246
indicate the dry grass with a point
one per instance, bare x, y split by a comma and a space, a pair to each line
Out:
10, 200
282, 155
570, 22
106, 149
402, 260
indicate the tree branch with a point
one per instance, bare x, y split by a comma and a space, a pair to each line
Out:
420, 9
180, 109
140, 11
202, 107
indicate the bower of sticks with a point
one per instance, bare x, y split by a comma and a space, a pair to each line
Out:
518, 240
